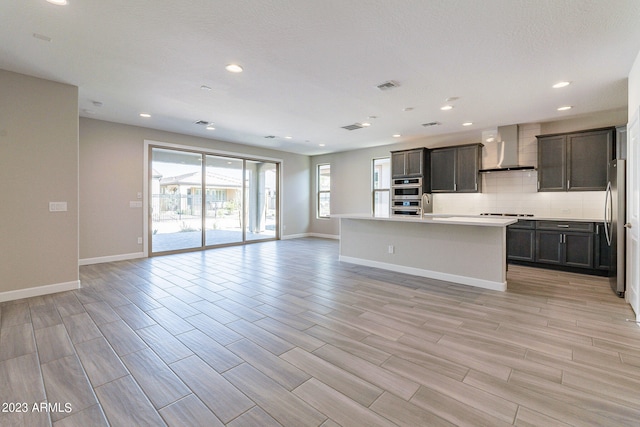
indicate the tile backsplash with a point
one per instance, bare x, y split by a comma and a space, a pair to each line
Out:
516, 191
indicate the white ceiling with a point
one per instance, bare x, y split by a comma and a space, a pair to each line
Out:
311, 67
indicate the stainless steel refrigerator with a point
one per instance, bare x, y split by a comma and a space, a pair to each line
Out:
614, 219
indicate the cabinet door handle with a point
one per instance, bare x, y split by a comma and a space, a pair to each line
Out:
563, 225
568, 184
561, 238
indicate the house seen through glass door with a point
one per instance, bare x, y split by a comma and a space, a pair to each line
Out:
176, 200
223, 200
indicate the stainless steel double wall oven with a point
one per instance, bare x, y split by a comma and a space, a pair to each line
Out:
408, 197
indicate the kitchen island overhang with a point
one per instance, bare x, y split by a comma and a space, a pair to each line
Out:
465, 250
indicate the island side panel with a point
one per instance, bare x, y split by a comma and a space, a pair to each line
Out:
466, 254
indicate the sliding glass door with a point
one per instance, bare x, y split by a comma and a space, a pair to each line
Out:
261, 200
224, 200
176, 200
201, 200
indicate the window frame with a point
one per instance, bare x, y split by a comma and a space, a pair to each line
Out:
320, 191
375, 191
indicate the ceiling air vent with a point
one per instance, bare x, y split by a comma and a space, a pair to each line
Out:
202, 123
431, 124
270, 136
353, 126
391, 84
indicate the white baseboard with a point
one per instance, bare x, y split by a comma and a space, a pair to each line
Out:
294, 236
463, 280
39, 290
325, 236
111, 258
302, 235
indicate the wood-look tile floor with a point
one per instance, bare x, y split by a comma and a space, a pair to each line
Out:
281, 333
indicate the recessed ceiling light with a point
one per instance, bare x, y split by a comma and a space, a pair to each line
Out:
205, 87
145, 115
372, 117
451, 99
233, 68
565, 108
321, 145
365, 124
288, 137
397, 135
210, 128
407, 109
446, 107
561, 84
467, 123
58, 2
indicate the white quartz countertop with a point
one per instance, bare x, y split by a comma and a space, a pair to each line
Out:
542, 218
484, 221
459, 218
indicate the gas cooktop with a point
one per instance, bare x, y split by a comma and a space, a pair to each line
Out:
507, 214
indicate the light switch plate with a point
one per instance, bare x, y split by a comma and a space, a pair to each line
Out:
135, 204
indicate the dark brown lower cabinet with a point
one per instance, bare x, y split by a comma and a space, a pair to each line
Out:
575, 246
549, 247
565, 248
521, 241
602, 260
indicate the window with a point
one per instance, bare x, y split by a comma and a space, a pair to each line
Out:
324, 191
380, 183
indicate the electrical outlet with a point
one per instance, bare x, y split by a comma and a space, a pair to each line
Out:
391, 249
139, 240
57, 206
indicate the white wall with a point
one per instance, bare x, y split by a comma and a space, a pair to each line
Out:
634, 89
38, 165
111, 175
632, 294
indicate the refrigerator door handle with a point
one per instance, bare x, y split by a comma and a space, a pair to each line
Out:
607, 207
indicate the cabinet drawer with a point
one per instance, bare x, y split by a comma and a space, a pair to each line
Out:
528, 224
586, 227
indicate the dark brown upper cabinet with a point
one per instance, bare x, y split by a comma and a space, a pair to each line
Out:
409, 162
575, 161
455, 169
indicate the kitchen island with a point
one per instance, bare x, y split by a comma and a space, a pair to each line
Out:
466, 250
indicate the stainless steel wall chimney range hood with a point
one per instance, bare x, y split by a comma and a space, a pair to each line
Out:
506, 157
